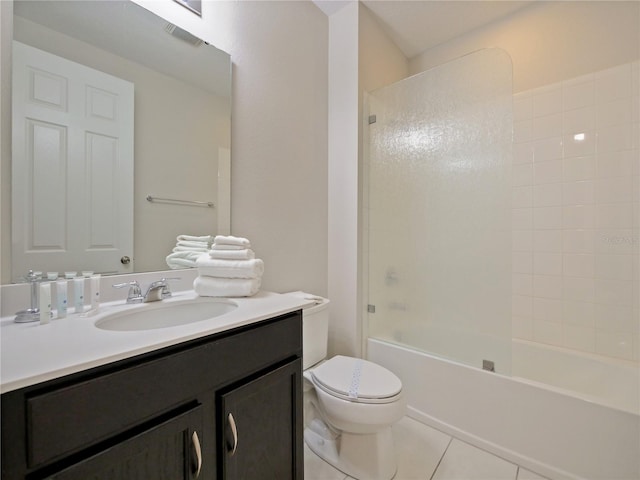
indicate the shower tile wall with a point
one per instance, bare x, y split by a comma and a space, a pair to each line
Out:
576, 167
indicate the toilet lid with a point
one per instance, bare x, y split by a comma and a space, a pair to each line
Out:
356, 380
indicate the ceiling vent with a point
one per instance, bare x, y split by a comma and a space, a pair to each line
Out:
183, 35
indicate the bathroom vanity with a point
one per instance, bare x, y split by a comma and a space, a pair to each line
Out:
221, 400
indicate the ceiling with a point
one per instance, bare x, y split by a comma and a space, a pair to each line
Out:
130, 31
413, 25
417, 25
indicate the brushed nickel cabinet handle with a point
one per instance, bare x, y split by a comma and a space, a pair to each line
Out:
234, 431
195, 441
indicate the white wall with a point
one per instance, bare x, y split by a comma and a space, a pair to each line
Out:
551, 41
279, 130
344, 324
279, 140
380, 61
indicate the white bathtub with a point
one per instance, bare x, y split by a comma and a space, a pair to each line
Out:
595, 378
546, 429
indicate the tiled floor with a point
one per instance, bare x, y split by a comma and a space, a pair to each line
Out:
428, 454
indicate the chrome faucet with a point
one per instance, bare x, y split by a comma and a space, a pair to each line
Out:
135, 294
156, 291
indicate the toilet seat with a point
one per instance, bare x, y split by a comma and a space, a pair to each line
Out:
357, 380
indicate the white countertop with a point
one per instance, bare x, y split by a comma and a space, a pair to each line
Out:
31, 353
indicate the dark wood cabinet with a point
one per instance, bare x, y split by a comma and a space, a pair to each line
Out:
168, 451
261, 441
168, 414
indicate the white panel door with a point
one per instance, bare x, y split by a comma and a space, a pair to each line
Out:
72, 166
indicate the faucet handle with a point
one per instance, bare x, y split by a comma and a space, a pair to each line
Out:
31, 277
135, 293
133, 284
166, 291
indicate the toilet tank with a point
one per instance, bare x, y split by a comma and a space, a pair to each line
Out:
315, 329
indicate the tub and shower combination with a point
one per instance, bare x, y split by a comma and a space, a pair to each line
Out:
534, 362
558, 431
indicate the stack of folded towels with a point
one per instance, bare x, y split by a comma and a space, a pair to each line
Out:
229, 269
187, 250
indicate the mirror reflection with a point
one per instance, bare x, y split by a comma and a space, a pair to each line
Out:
112, 105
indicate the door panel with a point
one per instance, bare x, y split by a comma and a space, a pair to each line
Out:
47, 159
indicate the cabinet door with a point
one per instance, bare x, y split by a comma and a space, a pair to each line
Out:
262, 427
168, 451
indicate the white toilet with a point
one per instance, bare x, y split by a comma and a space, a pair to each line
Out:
350, 404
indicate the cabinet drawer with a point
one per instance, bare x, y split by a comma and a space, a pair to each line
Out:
68, 419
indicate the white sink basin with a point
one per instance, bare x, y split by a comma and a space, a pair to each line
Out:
162, 315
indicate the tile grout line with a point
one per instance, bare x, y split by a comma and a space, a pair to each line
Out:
441, 457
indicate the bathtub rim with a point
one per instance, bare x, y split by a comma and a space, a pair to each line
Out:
583, 449
590, 399
593, 399
619, 362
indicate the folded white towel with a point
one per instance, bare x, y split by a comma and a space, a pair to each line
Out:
226, 287
213, 267
190, 249
227, 247
182, 259
231, 240
244, 254
193, 238
190, 244
177, 263
187, 254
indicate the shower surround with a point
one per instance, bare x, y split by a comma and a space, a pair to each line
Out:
565, 401
575, 211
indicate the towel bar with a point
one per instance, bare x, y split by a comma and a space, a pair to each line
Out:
195, 203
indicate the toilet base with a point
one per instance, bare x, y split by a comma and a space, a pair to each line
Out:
363, 457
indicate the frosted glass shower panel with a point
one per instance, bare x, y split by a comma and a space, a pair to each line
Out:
439, 210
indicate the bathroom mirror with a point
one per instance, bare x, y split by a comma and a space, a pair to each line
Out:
181, 135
